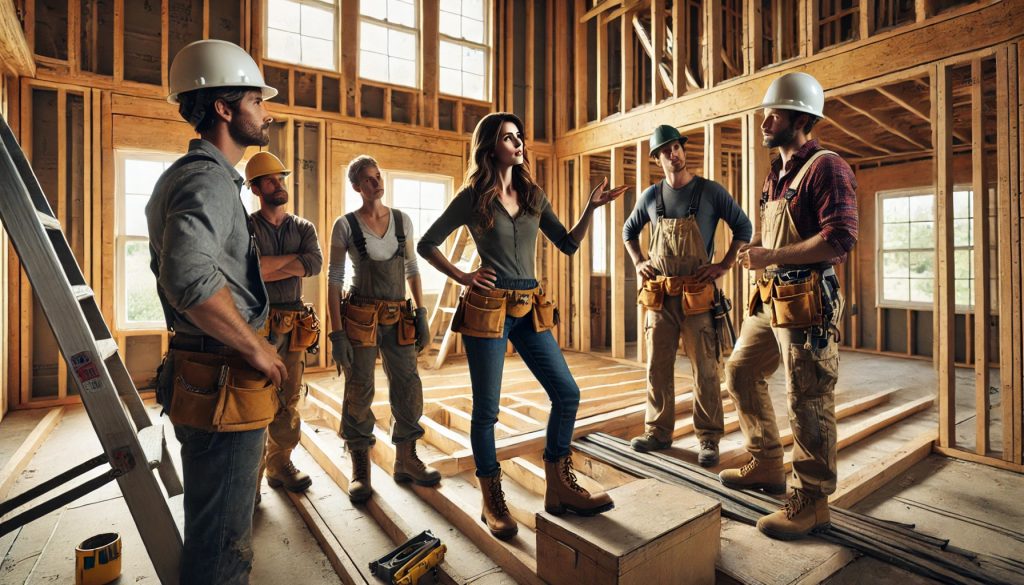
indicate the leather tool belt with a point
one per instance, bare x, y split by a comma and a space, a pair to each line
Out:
304, 326
795, 295
362, 316
697, 297
481, 312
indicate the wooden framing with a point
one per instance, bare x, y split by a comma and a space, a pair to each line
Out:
20, 459
658, 32
617, 255
982, 268
15, 53
942, 114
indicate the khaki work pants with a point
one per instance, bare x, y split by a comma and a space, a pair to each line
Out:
284, 431
810, 388
663, 330
405, 391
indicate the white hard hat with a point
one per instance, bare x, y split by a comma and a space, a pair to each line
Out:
213, 63
798, 92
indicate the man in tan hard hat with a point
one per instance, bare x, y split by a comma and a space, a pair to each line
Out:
808, 225
678, 289
214, 300
289, 252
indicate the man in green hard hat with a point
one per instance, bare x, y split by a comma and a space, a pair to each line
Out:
678, 290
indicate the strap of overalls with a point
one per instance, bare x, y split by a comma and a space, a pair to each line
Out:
794, 185
357, 234
698, 192
399, 231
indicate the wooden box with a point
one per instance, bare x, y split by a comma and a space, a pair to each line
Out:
657, 533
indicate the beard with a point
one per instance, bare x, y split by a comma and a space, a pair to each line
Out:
277, 198
246, 133
781, 138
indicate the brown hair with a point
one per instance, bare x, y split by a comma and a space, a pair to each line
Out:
482, 174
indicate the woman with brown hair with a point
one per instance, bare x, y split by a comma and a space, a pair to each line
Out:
505, 209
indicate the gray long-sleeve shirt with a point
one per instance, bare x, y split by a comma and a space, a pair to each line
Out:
378, 248
199, 239
715, 204
295, 235
510, 246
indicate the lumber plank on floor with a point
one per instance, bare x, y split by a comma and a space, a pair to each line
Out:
862, 484
20, 459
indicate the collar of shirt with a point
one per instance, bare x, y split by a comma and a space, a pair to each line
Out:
795, 162
208, 148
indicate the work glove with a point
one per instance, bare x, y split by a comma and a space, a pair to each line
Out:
341, 350
422, 330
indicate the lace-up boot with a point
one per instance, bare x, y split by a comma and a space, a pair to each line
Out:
565, 493
495, 512
359, 489
768, 475
800, 515
409, 467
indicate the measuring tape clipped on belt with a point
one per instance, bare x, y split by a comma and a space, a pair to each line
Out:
408, 563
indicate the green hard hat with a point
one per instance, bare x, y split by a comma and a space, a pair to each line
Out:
663, 135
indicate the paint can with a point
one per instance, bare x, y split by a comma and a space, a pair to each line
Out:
98, 559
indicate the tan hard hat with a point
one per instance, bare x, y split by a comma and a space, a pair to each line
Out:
213, 63
798, 92
262, 164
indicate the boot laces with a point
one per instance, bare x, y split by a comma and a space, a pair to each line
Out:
795, 504
748, 468
497, 495
708, 445
569, 477
290, 469
360, 464
414, 459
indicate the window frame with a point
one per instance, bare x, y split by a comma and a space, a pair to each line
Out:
415, 30
335, 6
487, 47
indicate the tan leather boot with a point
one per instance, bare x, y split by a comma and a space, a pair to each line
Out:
800, 515
563, 493
768, 475
289, 477
359, 489
409, 467
495, 513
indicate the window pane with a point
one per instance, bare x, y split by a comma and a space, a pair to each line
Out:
895, 264
450, 82
141, 175
922, 234
373, 38
135, 215
963, 293
473, 61
141, 301
402, 12
922, 208
962, 204
922, 290
473, 9
896, 289
896, 209
962, 232
922, 265
401, 45
962, 260
402, 72
473, 30
373, 66
318, 23
283, 46
896, 236
451, 6
283, 15
432, 195
450, 55
318, 53
473, 86
374, 9
450, 24
599, 255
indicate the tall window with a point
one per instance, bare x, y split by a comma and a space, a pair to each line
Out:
599, 242
137, 304
465, 48
422, 198
388, 41
906, 223
302, 32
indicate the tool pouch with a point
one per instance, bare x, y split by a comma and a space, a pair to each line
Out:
406, 328
698, 298
219, 394
797, 305
545, 313
519, 302
360, 324
651, 295
389, 312
480, 316
306, 334
760, 294
407, 563
282, 322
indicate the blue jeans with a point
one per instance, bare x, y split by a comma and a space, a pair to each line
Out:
542, 355
220, 471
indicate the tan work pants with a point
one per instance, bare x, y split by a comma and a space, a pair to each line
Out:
283, 432
810, 388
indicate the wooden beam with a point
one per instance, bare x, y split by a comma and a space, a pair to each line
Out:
624, 9
603, 107
714, 72
982, 267
627, 84
429, 48
643, 180
580, 69
645, 43
15, 54
583, 259
530, 72
601, 7
23, 456
856, 136
679, 47
616, 253
335, 552
754, 18
869, 479
923, 9
349, 20
657, 47
915, 110
866, 13
886, 126
942, 83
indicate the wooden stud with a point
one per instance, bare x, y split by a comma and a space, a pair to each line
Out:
583, 259
866, 18
119, 41
627, 84
643, 180
62, 215
982, 300
885, 125
923, 9
679, 47
713, 49
616, 255
350, 19
562, 107
530, 70
942, 91
657, 48
580, 69
429, 48
603, 107
755, 34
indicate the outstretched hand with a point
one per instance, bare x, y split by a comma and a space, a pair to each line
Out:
599, 196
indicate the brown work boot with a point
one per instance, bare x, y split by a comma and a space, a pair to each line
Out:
769, 476
708, 456
409, 467
800, 515
564, 493
649, 442
495, 513
359, 489
290, 478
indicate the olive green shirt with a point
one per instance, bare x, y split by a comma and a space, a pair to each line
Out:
510, 245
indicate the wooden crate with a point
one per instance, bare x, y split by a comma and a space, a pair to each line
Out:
657, 533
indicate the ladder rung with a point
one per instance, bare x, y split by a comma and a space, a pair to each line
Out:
49, 222
447, 309
82, 291
106, 347
152, 440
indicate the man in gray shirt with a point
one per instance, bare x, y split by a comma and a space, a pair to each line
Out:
208, 280
678, 290
289, 251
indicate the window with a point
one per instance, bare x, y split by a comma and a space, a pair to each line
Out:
422, 198
465, 48
137, 304
302, 32
599, 242
388, 41
907, 249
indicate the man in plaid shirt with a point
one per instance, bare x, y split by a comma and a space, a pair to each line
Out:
808, 224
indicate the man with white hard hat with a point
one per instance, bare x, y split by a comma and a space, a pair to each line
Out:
218, 381
808, 225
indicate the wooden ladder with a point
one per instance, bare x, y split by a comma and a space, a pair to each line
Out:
448, 299
132, 445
